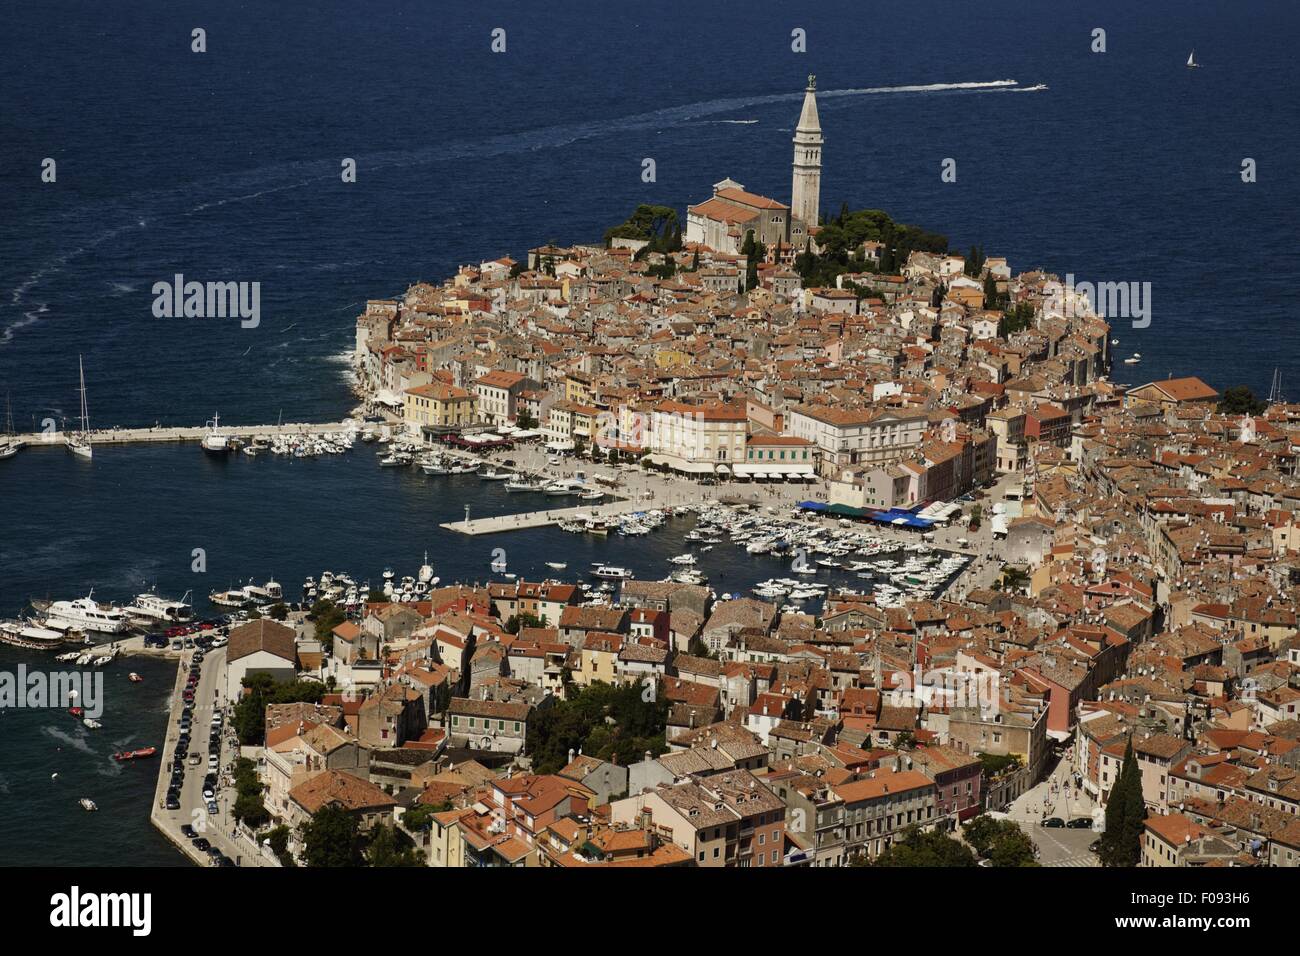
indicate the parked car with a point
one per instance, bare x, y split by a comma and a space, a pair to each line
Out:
1079, 823
187, 831
1053, 823
201, 843
173, 803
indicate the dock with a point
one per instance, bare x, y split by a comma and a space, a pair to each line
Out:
540, 519
162, 435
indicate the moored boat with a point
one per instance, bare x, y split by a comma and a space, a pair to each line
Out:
137, 754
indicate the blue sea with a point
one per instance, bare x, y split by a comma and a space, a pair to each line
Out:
1121, 166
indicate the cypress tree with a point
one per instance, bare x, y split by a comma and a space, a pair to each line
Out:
1121, 845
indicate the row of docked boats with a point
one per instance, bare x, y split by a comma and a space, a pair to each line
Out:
343, 590
217, 443
58, 622
896, 570
250, 595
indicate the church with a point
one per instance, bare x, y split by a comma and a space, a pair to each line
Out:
722, 221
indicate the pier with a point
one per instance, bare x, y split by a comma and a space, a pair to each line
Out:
539, 519
164, 434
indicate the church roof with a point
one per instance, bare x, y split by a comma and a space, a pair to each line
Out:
753, 200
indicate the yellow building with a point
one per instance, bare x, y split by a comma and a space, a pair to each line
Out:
438, 408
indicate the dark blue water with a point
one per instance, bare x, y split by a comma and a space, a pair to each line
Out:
225, 166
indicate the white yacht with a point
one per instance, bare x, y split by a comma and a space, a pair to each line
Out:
214, 442
86, 614
426, 570
151, 608
78, 442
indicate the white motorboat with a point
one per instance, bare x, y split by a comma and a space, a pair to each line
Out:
435, 466
91, 724
396, 460
592, 494
426, 571
557, 565
610, 572
683, 559
87, 804
268, 593
232, 598
151, 607
214, 442
79, 442
86, 614
493, 475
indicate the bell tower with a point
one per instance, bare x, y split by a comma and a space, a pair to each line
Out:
805, 194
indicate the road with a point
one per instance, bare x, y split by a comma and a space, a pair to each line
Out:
209, 696
1056, 796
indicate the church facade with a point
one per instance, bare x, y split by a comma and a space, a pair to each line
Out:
723, 220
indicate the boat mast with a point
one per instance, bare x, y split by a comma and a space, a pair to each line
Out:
85, 415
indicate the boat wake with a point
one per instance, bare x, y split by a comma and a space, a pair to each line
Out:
68, 740
194, 198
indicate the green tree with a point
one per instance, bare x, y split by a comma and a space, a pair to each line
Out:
523, 619
325, 616
389, 846
921, 848
1121, 844
608, 722
278, 612
262, 689
651, 223
330, 838
1001, 842
1240, 400
278, 837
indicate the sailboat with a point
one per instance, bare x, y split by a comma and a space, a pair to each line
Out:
8, 444
79, 442
1191, 61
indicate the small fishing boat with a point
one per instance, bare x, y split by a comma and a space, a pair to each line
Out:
87, 804
138, 754
135, 678
557, 565
77, 712
92, 724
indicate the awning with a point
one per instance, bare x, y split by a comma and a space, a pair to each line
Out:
725, 468
813, 505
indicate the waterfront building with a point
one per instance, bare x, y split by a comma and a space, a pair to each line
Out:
438, 409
